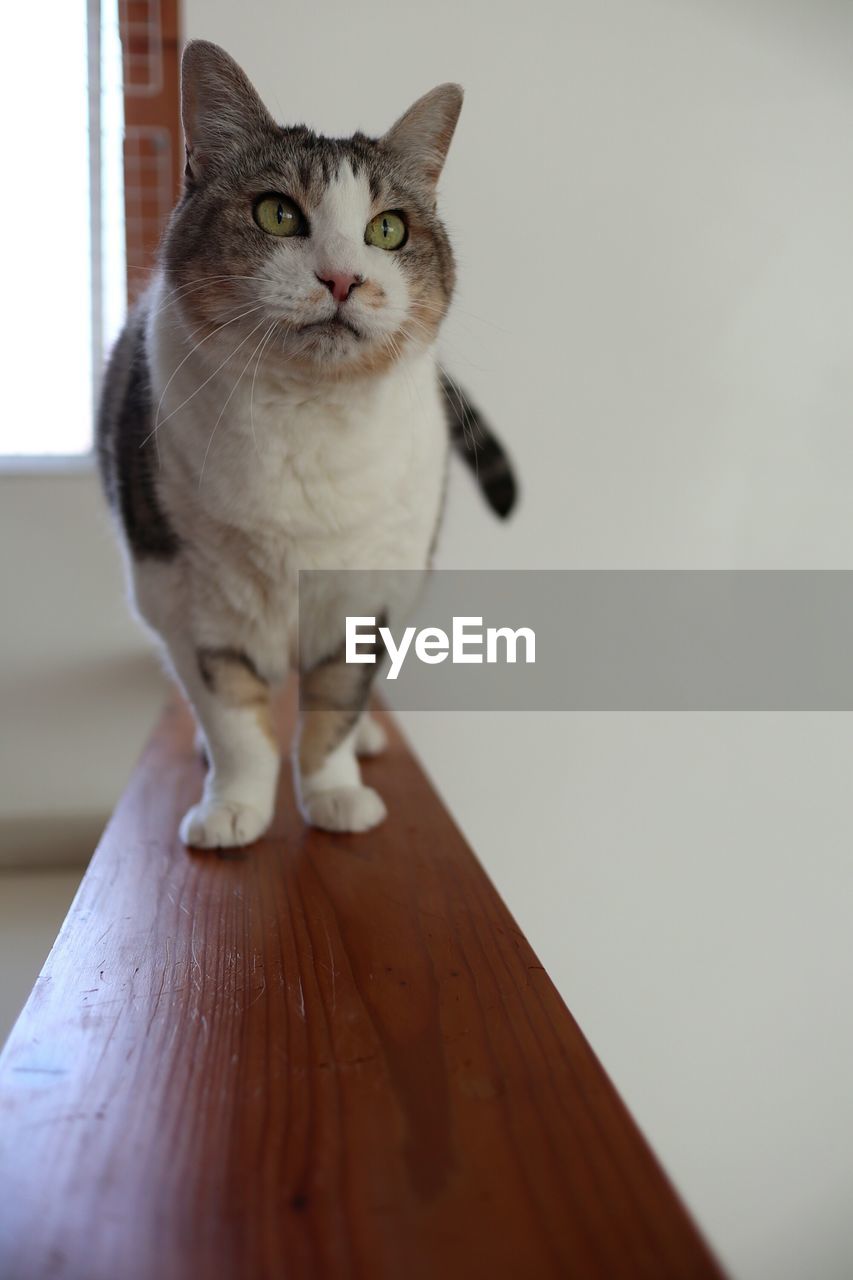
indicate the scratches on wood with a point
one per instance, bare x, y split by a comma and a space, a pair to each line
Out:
329, 1057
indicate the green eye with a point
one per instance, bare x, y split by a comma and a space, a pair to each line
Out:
278, 216
386, 231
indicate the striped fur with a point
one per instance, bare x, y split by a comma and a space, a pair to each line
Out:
477, 445
255, 424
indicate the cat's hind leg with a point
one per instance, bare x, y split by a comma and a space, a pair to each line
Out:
331, 733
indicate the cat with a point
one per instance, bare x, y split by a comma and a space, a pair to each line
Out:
274, 404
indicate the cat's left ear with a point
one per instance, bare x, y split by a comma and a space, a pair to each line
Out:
424, 132
220, 109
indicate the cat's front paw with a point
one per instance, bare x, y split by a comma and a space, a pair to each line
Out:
345, 809
222, 824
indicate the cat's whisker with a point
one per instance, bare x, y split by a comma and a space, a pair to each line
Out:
429, 334
472, 443
426, 336
422, 304
199, 282
264, 342
222, 318
157, 423
461, 415
261, 299
237, 382
457, 355
180, 292
398, 356
153, 270
208, 379
389, 345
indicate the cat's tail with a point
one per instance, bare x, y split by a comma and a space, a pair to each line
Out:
477, 445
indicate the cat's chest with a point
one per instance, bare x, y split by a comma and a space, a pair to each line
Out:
338, 480
319, 468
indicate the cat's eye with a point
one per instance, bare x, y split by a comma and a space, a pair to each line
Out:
386, 231
278, 216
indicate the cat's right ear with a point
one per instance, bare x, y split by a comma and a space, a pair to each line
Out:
220, 109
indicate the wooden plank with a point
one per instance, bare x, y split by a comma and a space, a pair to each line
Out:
325, 1056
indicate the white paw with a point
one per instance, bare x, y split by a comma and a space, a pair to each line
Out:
222, 824
370, 738
345, 809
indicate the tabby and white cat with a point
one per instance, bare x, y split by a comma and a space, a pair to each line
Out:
274, 404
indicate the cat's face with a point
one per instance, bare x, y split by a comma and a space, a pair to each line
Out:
326, 255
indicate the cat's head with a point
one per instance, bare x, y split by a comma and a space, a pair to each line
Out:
327, 254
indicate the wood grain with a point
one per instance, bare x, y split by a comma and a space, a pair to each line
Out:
324, 1056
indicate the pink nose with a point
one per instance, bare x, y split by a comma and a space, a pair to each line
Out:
339, 283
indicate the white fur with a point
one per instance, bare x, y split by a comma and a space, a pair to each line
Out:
263, 472
370, 738
337, 243
333, 797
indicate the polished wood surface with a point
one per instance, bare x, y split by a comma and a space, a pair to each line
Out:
323, 1056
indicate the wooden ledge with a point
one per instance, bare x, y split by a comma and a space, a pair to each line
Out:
322, 1057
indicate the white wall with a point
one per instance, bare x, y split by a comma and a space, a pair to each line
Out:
79, 687
651, 203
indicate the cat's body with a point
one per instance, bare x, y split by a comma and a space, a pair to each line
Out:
253, 426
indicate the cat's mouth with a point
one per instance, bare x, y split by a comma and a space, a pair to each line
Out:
332, 327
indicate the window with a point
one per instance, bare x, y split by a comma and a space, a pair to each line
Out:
63, 280
91, 174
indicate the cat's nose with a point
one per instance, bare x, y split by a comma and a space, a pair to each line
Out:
339, 283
